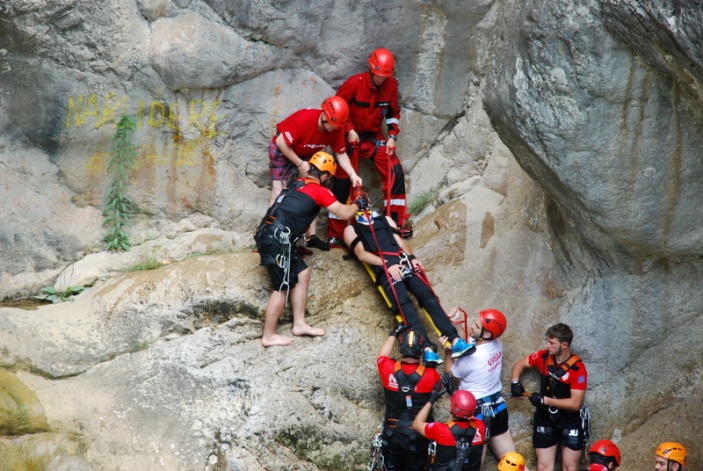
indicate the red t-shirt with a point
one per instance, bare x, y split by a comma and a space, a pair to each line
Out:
322, 196
386, 368
440, 432
576, 379
301, 133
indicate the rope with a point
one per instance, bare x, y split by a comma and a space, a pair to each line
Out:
357, 192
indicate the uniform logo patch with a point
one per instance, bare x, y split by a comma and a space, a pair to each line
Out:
392, 382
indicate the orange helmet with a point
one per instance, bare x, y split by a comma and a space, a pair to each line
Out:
493, 321
382, 62
672, 451
336, 110
607, 449
512, 462
324, 162
462, 404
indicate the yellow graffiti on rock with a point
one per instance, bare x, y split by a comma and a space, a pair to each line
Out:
92, 110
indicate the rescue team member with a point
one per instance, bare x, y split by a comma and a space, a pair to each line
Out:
605, 453
480, 374
374, 240
557, 419
373, 99
407, 386
298, 137
285, 222
670, 456
512, 461
460, 442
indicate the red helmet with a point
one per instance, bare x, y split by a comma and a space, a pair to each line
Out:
382, 62
462, 404
607, 449
493, 321
597, 467
336, 110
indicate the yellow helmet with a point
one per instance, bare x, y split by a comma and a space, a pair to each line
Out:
672, 451
324, 162
512, 462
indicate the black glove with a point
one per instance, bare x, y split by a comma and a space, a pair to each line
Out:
362, 201
536, 399
516, 389
448, 381
399, 329
437, 392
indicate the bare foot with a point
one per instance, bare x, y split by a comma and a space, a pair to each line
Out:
308, 330
276, 340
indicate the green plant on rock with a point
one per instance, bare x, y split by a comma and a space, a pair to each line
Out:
119, 209
420, 202
53, 295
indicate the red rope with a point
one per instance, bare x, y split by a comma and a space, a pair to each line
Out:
357, 192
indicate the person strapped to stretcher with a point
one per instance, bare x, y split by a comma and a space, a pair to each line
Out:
375, 241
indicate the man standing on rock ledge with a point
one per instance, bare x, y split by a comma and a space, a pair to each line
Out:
373, 101
558, 416
284, 223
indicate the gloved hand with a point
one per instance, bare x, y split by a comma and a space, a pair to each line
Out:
399, 329
362, 201
437, 392
448, 381
516, 389
536, 400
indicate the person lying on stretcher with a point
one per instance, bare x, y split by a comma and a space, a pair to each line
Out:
374, 240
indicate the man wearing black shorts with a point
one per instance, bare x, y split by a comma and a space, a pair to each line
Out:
563, 381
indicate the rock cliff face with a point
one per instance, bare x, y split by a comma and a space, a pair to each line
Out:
562, 141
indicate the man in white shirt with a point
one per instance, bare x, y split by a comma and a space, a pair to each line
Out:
480, 374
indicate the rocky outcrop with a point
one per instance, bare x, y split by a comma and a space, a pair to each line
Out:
599, 102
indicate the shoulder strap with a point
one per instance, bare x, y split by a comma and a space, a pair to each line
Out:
409, 381
569, 364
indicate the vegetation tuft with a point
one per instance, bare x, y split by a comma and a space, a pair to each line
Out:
119, 209
420, 202
53, 295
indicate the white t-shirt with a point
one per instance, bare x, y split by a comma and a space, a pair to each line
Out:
480, 372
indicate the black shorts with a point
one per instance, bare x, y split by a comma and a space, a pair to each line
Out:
496, 420
269, 249
546, 436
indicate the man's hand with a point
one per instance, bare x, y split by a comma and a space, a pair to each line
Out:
352, 137
537, 400
516, 389
448, 381
437, 392
457, 315
399, 329
303, 168
390, 146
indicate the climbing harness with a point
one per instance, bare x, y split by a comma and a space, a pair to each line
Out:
463, 438
376, 460
283, 258
407, 269
585, 413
